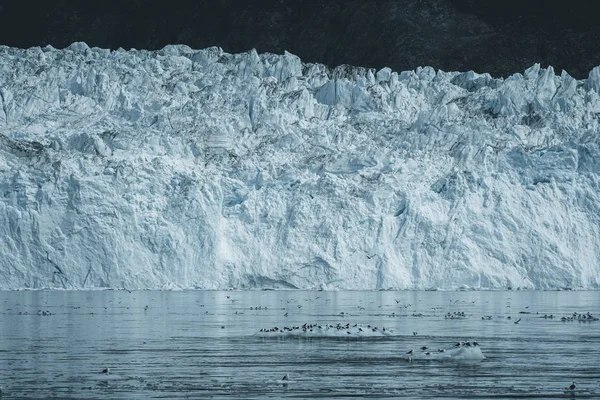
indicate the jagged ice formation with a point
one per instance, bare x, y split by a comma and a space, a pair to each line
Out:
201, 169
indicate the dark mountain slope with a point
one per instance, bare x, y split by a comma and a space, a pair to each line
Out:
497, 37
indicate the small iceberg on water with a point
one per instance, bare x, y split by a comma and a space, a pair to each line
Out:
462, 351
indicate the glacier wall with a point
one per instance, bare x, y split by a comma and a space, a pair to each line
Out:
201, 169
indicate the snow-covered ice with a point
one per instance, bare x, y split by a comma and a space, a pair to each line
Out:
187, 168
458, 353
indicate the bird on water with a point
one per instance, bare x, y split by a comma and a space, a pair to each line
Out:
106, 371
572, 387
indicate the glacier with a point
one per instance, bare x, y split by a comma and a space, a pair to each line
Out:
199, 169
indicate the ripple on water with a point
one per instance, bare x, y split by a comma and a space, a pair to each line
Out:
198, 344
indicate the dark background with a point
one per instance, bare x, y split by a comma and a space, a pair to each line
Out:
500, 37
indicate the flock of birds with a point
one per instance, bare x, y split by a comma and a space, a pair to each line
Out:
44, 313
306, 328
455, 315
588, 317
575, 316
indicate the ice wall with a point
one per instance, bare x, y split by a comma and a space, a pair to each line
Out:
201, 169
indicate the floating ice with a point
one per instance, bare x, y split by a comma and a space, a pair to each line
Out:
588, 317
464, 352
184, 168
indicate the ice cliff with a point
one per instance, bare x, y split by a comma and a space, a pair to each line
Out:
201, 169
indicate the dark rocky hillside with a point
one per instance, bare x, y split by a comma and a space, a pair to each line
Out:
501, 37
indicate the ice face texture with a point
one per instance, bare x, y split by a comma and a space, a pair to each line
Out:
201, 169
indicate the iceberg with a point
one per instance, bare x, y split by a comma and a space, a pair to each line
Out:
461, 352
199, 169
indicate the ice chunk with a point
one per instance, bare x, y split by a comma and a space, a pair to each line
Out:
593, 80
460, 353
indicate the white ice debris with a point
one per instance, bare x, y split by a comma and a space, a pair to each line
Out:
462, 353
201, 169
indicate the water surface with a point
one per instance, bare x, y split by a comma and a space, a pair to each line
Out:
202, 344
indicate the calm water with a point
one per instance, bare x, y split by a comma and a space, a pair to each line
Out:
202, 344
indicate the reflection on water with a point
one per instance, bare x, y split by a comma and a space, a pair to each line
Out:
198, 344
